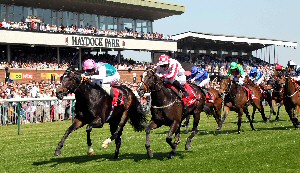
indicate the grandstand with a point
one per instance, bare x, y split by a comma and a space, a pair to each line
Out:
82, 26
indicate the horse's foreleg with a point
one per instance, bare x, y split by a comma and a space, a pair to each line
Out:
261, 109
194, 131
115, 133
76, 125
239, 123
150, 127
186, 124
174, 127
226, 112
294, 120
248, 116
253, 112
278, 112
217, 113
96, 123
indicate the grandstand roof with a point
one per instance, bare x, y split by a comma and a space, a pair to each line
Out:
229, 42
133, 9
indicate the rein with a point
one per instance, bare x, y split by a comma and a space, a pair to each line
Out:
156, 89
293, 93
160, 107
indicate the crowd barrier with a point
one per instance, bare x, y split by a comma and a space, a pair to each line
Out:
35, 110
38, 110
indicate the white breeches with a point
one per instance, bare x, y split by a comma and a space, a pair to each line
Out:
259, 81
181, 79
204, 82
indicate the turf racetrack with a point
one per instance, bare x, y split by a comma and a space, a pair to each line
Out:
274, 147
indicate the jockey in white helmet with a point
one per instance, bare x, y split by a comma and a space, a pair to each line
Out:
172, 72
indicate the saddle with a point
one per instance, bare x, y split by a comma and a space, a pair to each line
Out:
118, 98
186, 101
209, 97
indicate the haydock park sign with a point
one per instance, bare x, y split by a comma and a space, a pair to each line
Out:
94, 42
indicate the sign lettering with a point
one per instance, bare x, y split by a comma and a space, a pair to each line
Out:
16, 76
95, 42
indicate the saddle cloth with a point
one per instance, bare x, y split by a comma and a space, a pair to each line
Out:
186, 101
249, 93
116, 101
209, 97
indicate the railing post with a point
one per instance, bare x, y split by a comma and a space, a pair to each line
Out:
19, 118
73, 110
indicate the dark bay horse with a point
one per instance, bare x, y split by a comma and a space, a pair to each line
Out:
291, 99
236, 99
275, 95
93, 106
167, 108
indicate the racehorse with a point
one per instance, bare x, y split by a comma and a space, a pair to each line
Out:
275, 96
213, 106
167, 108
236, 98
291, 99
93, 106
258, 101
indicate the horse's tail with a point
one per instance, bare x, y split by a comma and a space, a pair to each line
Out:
137, 117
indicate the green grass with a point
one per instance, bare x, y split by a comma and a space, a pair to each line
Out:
274, 147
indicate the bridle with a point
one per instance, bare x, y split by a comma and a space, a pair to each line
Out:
156, 88
73, 85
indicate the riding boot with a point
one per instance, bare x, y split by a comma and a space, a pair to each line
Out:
181, 88
110, 114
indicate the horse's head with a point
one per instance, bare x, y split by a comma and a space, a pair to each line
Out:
224, 85
248, 81
149, 82
70, 81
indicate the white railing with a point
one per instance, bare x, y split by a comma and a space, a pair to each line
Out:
18, 104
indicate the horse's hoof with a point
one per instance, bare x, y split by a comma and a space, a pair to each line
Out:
91, 153
186, 132
106, 143
171, 155
219, 128
116, 156
150, 154
57, 153
253, 129
239, 132
187, 147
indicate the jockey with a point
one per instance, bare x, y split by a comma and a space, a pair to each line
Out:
291, 68
237, 72
278, 70
102, 74
256, 76
172, 72
199, 76
297, 74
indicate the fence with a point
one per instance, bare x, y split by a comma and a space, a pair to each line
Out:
30, 110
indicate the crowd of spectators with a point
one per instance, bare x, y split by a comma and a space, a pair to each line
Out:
34, 23
38, 111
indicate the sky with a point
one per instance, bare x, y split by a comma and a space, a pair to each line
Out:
276, 19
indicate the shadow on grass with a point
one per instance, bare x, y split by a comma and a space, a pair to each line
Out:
106, 157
